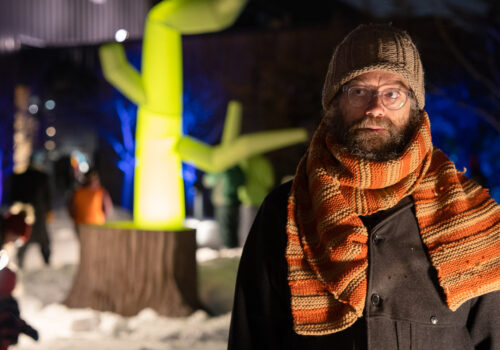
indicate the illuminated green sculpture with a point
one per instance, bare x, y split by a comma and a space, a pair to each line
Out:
160, 145
234, 148
259, 180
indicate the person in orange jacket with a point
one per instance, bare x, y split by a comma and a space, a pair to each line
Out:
90, 203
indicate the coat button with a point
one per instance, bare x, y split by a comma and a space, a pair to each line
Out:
376, 239
376, 299
434, 320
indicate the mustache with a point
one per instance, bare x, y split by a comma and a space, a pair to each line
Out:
370, 122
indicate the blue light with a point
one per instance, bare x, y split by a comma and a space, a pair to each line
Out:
469, 141
50, 105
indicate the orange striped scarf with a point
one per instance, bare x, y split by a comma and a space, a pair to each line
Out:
327, 249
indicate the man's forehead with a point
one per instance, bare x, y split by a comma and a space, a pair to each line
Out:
380, 78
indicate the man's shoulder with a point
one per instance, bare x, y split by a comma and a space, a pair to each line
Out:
279, 194
273, 211
267, 238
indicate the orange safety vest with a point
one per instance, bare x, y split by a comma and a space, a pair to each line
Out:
88, 206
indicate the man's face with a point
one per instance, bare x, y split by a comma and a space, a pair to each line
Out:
372, 131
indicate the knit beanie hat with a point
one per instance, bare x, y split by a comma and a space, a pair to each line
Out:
375, 47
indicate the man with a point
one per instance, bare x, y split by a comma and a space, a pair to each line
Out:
225, 200
379, 243
33, 187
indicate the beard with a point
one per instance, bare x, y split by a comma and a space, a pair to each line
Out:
381, 146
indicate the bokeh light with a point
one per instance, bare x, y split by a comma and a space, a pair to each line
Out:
121, 35
50, 131
50, 104
33, 108
50, 145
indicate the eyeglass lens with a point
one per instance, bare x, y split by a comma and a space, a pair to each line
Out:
392, 98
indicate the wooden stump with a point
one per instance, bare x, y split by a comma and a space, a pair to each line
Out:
126, 270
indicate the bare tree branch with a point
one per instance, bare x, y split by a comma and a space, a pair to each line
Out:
464, 62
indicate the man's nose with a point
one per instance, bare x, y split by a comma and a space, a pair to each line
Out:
375, 108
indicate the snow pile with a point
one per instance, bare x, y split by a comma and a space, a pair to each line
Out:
63, 328
207, 254
41, 289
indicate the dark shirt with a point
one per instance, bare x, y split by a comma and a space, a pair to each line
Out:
33, 187
404, 309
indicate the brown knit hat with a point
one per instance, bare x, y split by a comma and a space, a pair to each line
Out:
375, 47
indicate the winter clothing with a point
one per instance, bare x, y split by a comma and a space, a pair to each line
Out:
327, 249
87, 206
362, 254
374, 47
226, 203
225, 185
405, 307
11, 324
33, 187
259, 180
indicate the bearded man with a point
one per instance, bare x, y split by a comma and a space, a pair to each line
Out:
379, 242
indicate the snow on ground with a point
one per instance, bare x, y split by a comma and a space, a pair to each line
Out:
41, 289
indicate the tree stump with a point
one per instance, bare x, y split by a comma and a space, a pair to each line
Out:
126, 270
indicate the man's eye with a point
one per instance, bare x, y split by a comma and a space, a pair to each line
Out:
359, 91
392, 94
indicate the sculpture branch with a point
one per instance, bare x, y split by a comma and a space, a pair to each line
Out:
218, 158
120, 73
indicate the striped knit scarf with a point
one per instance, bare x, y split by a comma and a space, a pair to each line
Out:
327, 250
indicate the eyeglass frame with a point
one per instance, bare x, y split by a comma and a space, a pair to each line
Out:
408, 93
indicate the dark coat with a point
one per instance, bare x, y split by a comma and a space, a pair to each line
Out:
405, 306
33, 187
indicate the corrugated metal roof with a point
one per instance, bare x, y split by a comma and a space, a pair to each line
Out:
55, 23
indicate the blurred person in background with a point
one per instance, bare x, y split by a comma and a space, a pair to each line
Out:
15, 228
259, 180
33, 187
226, 203
90, 203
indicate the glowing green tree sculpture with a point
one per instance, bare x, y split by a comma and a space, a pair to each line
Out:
160, 145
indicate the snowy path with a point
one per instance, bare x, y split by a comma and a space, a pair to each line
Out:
40, 290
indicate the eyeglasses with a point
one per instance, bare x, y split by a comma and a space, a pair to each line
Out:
392, 98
